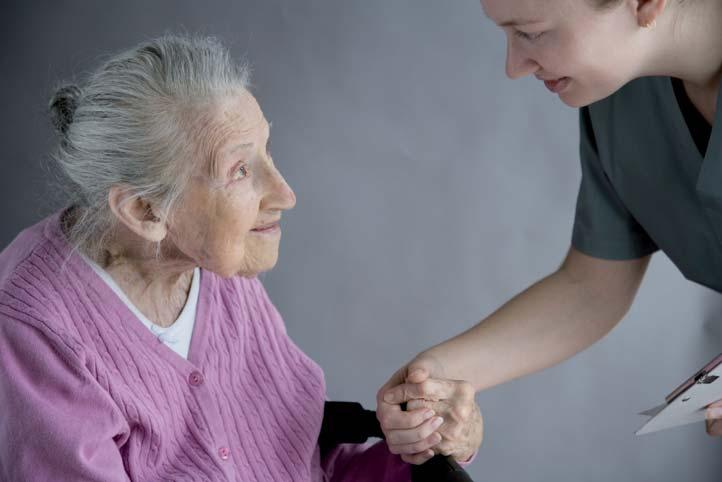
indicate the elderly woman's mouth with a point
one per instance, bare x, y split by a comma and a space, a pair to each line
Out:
270, 228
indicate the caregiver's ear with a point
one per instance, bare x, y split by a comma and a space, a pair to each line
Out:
136, 214
647, 11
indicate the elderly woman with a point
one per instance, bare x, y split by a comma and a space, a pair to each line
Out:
135, 341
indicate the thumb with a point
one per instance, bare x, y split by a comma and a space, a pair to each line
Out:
425, 365
417, 375
395, 380
418, 371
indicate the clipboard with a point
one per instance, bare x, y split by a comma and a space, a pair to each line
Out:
688, 402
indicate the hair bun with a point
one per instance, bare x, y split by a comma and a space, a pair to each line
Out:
62, 107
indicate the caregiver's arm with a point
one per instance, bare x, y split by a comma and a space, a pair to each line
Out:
547, 323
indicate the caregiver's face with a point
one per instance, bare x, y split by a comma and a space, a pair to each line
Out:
228, 221
581, 53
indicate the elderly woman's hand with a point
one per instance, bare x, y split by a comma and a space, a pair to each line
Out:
441, 415
714, 419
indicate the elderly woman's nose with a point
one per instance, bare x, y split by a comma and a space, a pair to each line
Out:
518, 63
278, 194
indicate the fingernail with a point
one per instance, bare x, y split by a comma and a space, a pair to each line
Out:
437, 422
415, 371
428, 414
436, 438
714, 412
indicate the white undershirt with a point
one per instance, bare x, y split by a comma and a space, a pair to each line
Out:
176, 336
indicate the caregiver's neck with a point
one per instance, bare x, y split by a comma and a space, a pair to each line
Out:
687, 43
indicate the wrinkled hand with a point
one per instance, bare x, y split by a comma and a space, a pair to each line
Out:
441, 415
714, 419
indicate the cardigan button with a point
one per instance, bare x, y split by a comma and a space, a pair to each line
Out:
224, 452
195, 378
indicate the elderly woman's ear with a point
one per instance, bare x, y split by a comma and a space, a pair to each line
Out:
136, 214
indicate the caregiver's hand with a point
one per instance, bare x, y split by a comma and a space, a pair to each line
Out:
714, 419
442, 416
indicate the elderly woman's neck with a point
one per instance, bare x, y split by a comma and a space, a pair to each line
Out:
157, 285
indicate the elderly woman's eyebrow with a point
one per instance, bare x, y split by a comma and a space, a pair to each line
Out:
240, 147
248, 145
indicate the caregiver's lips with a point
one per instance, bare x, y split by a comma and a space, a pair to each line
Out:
269, 228
557, 85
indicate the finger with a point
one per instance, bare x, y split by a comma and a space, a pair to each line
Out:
398, 420
714, 428
417, 373
418, 459
416, 447
718, 403
385, 411
464, 389
461, 412
454, 432
414, 435
420, 403
445, 448
713, 412
431, 389
396, 379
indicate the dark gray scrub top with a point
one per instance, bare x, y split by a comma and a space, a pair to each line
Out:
646, 186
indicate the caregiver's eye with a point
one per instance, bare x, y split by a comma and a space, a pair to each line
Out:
528, 36
241, 173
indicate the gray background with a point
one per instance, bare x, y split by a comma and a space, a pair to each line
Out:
430, 190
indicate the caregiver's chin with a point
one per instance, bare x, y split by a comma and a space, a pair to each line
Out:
585, 50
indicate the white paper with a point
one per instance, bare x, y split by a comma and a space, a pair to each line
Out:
688, 407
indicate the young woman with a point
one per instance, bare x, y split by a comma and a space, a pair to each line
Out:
646, 76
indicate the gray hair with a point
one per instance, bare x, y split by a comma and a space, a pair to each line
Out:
140, 120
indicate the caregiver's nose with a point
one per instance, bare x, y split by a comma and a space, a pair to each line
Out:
517, 63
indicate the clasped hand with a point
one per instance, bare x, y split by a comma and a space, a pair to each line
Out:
441, 415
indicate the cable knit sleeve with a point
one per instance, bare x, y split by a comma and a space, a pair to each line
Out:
365, 463
56, 423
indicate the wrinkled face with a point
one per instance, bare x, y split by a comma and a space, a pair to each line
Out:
581, 53
228, 218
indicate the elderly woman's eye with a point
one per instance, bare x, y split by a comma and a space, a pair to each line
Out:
241, 172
